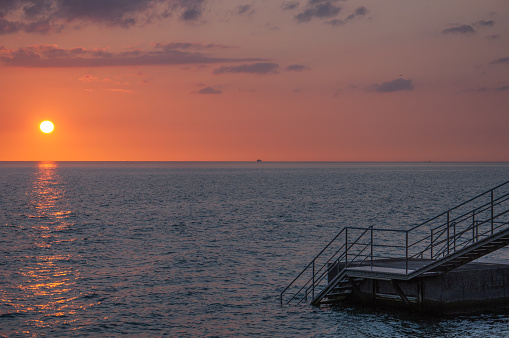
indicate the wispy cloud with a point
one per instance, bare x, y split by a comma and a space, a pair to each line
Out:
486, 23
8, 27
393, 86
245, 10
468, 29
190, 45
119, 90
502, 89
461, 29
493, 37
289, 5
43, 16
255, 68
209, 90
191, 9
326, 10
161, 54
357, 13
319, 9
296, 68
88, 78
500, 61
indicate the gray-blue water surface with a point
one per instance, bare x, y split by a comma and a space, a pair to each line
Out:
204, 249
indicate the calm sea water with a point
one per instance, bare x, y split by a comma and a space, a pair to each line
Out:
204, 249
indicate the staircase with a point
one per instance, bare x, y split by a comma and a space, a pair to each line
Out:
445, 242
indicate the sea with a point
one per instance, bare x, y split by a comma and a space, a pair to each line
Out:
204, 249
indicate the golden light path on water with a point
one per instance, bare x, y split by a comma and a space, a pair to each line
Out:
46, 281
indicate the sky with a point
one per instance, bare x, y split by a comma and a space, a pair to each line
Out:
234, 80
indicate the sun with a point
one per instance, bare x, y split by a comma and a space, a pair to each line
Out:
47, 127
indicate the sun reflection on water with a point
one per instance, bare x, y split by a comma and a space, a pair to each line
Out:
44, 287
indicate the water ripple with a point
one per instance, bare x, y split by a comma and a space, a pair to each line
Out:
204, 250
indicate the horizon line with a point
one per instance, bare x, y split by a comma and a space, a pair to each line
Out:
266, 161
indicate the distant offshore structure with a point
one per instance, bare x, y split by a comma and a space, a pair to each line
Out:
258, 160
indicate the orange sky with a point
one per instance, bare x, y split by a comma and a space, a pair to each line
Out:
211, 80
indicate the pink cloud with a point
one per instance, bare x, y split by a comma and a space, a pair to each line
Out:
52, 56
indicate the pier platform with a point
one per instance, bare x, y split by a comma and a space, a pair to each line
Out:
479, 285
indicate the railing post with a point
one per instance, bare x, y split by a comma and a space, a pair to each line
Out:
448, 232
473, 226
313, 292
454, 236
406, 254
346, 247
371, 247
477, 231
492, 211
431, 245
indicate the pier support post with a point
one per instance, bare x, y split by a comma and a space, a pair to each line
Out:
355, 286
374, 290
401, 294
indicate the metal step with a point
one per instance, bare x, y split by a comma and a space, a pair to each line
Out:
472, 252
388, 296
343, 293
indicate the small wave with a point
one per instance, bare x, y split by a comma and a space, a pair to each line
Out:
12, 315
90, 296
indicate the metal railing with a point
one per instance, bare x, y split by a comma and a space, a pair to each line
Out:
465, 224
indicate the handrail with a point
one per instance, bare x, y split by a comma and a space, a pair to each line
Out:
459, 205
478, 210
307, 267
355, 246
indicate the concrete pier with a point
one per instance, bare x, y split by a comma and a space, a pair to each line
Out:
479, 285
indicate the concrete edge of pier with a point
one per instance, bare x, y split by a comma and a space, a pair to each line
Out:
479, 285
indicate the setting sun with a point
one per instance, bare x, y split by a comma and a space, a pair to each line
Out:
47, 127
